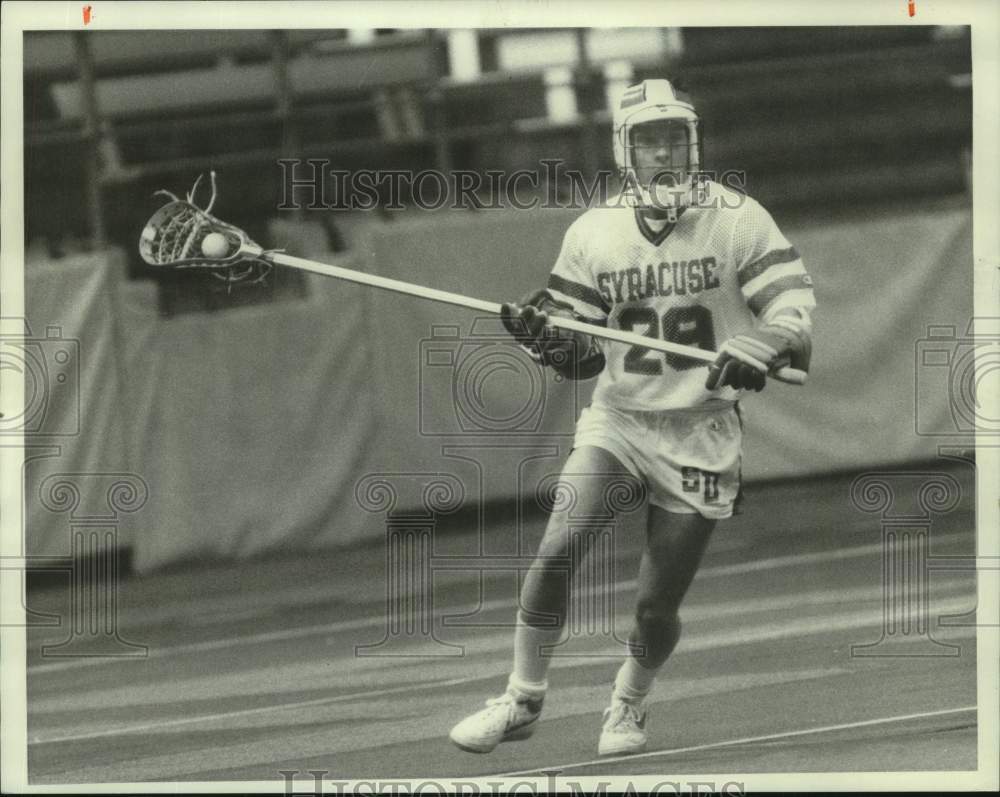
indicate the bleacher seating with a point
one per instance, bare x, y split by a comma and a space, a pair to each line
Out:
814, 116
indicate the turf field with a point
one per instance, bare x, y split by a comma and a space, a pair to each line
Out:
252, 669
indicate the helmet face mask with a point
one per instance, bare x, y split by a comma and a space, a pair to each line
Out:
657, 147
660, 152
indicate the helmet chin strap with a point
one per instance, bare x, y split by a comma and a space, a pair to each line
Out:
669, 204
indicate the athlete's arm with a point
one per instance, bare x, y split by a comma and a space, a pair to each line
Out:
779, 294
745, 360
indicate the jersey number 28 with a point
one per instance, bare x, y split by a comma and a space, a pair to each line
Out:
691, 326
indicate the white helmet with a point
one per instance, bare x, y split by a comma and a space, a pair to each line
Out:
649, 101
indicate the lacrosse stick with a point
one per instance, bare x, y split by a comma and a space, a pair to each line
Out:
180, 235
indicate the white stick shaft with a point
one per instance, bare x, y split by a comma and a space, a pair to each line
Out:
632, 338
398, 286
493, 308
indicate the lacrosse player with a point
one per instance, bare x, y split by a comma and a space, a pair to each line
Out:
683, 258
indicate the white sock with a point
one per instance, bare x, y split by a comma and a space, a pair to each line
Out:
633, 681
526, 690
531, 662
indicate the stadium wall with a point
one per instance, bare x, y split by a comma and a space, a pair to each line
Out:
881, 281
260, 428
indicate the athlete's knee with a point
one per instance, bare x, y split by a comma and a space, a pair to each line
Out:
544, 597
563, 547
648, 613
656, 623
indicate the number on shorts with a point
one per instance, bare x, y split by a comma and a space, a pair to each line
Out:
695, 480
690, 326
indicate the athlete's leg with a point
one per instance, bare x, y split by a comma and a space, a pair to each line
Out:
675, 544
589, 473
588, 476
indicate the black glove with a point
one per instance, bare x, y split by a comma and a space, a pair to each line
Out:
572, 354
527, 321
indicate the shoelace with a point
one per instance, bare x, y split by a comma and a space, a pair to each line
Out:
622, 712
503, 704
502, 709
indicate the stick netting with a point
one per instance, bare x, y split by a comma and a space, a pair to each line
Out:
175, 236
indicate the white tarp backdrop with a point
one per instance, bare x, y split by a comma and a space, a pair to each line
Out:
252, 427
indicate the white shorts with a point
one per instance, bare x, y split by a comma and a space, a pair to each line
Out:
688, 459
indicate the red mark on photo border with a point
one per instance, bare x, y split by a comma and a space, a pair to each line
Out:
912, 7
88, 9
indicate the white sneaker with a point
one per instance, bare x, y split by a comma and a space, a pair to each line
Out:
624, 730
504, 719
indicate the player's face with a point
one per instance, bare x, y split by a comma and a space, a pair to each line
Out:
660, 150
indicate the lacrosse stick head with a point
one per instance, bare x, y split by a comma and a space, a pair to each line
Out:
174, 237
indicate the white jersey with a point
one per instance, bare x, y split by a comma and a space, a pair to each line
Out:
723, 265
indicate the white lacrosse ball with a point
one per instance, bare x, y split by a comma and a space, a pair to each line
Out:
215, 245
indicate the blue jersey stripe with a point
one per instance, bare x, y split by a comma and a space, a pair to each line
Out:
762, 298
577, 291
773, 258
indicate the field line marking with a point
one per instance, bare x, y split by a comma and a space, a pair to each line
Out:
774, 563
243, 712
708, 642
730, 742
